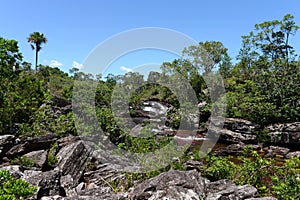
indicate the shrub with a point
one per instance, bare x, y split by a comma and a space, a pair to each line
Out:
12, 189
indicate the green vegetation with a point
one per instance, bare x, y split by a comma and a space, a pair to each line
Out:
52, 159
279, 181
23, 160
13, 189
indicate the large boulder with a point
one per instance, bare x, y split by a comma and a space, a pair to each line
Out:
33, 144
285, 134
240, 126
232, 130
225, 189
72, 160
6, 143
47, 182
171, 185
38, 158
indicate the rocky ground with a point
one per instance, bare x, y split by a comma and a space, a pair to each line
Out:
79, 174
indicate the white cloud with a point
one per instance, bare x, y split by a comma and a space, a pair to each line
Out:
53, 63
77, 65
123, 68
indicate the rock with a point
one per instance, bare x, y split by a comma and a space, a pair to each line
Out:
104, 193
33, 144
50, 184
233, 149
56, 197
39, 158
233, 130
80, 187
279, 150
228, 136
60, 102
67, 140
171, 185
288, 133
225, 189
104, 174
262, 198
6, 143
193, 164
240, 126
293, 154
72, 161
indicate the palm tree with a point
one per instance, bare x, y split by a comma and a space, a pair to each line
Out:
36, 39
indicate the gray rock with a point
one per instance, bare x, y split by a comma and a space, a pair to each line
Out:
6, 143
49, 184
232, 130
103, 175
240, 125
262, 198
171, 185
72, 161
193, 164
39, 158
33, 144
225, 189
288, 133
293, 154
229, 136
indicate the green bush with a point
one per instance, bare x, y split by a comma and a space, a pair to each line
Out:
282, 182
52, 159
23, 160
13, 189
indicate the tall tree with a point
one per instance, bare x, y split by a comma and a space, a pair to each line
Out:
206, 56
36, 39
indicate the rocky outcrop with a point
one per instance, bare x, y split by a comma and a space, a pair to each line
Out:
234, 130
6, 143
284, 134
171, 185
190, 185
72, 160
39, 158
225, 189
32, 144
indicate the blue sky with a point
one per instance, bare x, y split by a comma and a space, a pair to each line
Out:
75, 27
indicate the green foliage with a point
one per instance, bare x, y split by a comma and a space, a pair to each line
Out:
143, 144
218, 168
286, 181
13, 189
280, 181
51, 158
23, 160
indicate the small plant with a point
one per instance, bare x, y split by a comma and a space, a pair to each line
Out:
52, 159
23, 160
218, 168
13, 189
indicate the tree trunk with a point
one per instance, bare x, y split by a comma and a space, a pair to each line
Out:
36, 58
